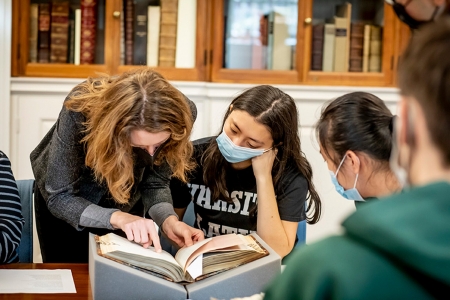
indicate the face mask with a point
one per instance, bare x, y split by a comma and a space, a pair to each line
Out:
233, 153
400, 10
350, 194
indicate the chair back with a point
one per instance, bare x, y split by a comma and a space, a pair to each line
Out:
301, 233
26, 198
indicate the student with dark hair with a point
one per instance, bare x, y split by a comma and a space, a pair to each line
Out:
355, 139
253, 176
11, 219
397, 248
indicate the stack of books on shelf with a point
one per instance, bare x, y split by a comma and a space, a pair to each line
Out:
159, 33
340, 45
63, 33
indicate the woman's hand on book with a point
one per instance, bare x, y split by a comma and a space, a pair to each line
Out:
181, 233
137, 229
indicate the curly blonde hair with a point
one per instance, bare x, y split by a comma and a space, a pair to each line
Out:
136, 100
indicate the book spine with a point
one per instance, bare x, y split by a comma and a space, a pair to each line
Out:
34, 27
140, 32
44, 33
270, 20
344, 11
375, 49
356, 47
154, 19
328, 47
129, 17
340, 42
366, 48
168, 33
59, 32
281, 52
100, 33
71, 40
317, 47
186, 34
77, 46
88, 31
263, 36
122, 38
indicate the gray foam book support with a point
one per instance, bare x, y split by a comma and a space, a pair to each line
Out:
112, 280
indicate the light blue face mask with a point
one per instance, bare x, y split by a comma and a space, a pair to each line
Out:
350, 194
233, 153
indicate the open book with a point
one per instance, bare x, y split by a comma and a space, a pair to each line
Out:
203, 259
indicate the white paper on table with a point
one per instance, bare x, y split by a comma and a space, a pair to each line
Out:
195, 269
36, 281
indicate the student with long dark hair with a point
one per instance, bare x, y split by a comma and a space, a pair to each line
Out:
253, 176
355, 139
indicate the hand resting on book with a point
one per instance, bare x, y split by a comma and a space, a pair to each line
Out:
181, 233
137, 229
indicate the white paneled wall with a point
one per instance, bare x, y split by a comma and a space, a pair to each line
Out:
36, 102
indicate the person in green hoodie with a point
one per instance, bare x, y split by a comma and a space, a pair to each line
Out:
398, 248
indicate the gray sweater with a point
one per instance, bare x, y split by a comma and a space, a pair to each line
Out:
70, 189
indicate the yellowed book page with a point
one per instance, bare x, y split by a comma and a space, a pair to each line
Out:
227, 242
183, 254
112, 242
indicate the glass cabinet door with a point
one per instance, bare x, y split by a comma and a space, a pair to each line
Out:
167, 35
59, 38
260, 35
80, 38
255, 41
325, 42
349, 42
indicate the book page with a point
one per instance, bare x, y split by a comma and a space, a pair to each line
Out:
184, 253
227, 242
112, 242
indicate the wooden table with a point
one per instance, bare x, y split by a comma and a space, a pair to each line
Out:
80, 273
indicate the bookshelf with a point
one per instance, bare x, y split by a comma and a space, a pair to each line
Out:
227, 42
309, 13
109, 45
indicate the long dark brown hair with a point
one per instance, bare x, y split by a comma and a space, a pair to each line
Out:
278, 112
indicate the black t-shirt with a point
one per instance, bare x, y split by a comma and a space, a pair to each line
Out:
220, 217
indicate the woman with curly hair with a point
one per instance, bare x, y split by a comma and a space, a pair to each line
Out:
107, 162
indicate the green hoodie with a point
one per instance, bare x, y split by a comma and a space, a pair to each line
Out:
397, 248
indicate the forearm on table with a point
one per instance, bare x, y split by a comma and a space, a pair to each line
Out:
269, 225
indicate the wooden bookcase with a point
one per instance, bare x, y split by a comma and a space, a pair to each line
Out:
395, 35
210, 50
113, 11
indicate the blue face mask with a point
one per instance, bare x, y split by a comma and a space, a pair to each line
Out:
350, 194
233, 153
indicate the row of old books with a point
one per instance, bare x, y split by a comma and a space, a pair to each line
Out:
63, 33
340, 45
159, 33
